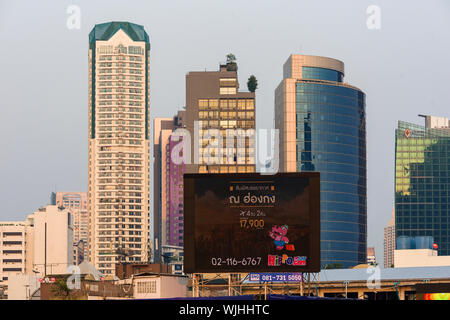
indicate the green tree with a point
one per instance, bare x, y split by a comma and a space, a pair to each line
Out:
231, 62
333, 266
60, 289
252, 83
231, 58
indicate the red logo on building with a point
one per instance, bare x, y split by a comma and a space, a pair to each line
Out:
407, 133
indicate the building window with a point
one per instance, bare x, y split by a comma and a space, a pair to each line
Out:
227, 90
202, 104
146, 287
227, 82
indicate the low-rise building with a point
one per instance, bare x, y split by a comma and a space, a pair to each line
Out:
159, 286
14, 238
52, 240
23, 286
419, 258
371, 283
147, 285
127, 270
419, 251
40, 245
173, 256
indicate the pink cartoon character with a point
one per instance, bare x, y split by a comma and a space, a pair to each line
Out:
278, 234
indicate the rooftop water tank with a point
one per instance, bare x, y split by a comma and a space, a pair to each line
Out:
424, 242
404, 243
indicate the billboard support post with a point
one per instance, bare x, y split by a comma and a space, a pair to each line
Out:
301, 288
229, 284
195, 288
310, 279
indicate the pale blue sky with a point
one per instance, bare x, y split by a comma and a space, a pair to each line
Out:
403, 68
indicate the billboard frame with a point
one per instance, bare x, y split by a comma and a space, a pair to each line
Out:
314, 218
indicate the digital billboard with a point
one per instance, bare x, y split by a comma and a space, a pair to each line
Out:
433, 291
252, 223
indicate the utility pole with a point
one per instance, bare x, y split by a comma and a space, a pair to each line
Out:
45, 250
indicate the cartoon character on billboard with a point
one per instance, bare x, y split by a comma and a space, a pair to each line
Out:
278, 234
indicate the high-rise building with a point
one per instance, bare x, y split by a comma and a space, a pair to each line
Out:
220, 123
371, 258
118, 195
389, 242
422, 181
174, 197
322, 127
168, 186
76, 202
214, 108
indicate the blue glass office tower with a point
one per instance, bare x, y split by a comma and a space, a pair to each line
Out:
422, 181
322, 127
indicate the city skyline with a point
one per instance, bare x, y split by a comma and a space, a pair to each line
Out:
387, 84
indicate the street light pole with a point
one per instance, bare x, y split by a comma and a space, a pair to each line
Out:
346, 284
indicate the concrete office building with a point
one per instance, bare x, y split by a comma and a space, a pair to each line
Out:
214, 105
159, 286
23, 287
15, 250
322, 127
407, 258
422, 181
389, 242
76, 202
52, 240
118, 194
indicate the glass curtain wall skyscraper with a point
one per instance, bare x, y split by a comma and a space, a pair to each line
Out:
422, 181
118, 194
322, 127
